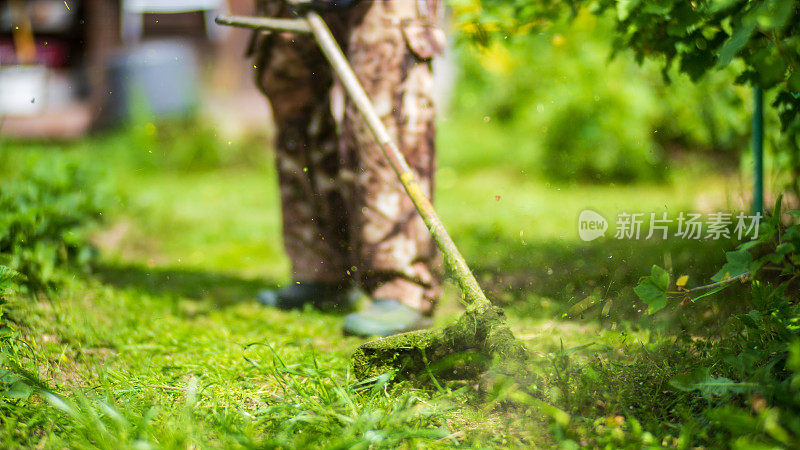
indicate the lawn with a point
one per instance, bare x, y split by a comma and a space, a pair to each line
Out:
162, 344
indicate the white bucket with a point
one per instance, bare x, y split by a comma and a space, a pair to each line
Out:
23, 90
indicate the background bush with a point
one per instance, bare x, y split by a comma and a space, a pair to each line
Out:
190, 143
593, 118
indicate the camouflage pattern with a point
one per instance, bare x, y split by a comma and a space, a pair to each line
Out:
345, 215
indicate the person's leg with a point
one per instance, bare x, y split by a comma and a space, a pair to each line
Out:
294, 75
390, 46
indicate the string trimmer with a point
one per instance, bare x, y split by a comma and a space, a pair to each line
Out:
480, 335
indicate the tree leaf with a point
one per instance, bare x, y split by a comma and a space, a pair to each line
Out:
624, 8
646, 290
794, 84
660, 277
708, 385
774, 14
741, 34
18, 390
650, 294
739, 262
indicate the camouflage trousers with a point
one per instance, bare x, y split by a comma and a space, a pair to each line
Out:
346, 217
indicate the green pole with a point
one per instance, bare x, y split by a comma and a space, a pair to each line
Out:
758, 150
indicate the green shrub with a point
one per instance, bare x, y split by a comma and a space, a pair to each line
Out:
589, 117
44, 215
187, 145
751, 43
190, 143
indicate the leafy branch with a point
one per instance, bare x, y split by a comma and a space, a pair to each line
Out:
775, 250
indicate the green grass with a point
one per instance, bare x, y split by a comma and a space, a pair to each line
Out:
163, 346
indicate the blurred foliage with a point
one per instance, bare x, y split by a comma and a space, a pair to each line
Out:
189, 143
694, 36
594, 119
758, 40
185, 145
44, 213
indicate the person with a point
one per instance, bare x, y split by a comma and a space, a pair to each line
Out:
346, 219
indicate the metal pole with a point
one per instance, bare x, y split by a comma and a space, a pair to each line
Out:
265, 23
758, 150
452, 257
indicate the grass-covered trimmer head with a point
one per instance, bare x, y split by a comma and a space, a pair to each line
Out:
480, 336
462, 350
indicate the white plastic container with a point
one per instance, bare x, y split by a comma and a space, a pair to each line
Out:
23, 90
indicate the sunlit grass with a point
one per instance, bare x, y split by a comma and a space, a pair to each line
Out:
165, 346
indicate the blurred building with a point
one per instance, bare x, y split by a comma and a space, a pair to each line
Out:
67, 67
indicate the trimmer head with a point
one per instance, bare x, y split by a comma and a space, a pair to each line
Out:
462, 350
